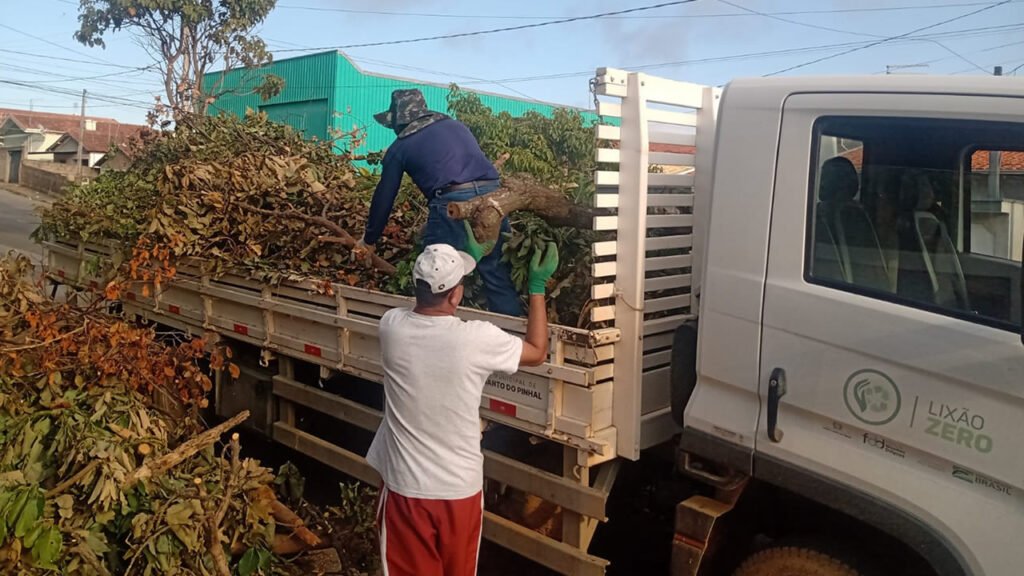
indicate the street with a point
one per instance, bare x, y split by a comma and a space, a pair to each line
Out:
18, 218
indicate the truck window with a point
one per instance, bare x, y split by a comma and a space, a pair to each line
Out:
924, 212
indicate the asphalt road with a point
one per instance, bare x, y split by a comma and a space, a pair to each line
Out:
18, 218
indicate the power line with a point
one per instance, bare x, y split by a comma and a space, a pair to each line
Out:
778, 18
51, 43
753, 55
687, 16
68, 92
977, 31
71, 106
67, 78
82, 78
863, 34
887, 39
387, 64
497, 30
973, 65
74, 60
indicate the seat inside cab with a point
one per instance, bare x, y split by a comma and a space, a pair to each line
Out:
903, 209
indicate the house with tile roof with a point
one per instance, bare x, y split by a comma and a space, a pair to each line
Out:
29, 135
96, 144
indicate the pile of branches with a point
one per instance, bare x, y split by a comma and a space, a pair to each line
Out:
94, 478
245, 195
251, 196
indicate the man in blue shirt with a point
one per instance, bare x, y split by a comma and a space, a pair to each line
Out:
445, 161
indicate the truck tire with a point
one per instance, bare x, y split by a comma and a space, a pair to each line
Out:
793, 561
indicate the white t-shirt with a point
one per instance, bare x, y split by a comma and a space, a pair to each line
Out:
435, 367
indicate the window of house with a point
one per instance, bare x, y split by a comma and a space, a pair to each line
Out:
909, 210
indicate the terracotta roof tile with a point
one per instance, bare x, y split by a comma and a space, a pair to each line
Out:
49, 121
105, 135
1008, 161
673, 148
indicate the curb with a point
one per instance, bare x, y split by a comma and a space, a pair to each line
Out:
24, 192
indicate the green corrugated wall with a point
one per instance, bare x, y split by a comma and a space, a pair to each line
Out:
305, 103
328, 87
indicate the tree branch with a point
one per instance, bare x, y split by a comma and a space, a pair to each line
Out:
343, 237
60, 488
186, 450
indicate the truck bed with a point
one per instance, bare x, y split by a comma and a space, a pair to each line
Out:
567, 399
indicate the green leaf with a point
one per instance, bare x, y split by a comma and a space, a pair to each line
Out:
30, 513
249, 563
30, 539
47, 548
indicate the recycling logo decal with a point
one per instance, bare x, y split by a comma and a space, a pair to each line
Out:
872, 397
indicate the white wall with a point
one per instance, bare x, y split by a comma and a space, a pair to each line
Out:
1015, 210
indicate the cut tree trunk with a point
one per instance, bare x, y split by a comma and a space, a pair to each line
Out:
187, 449
486, 212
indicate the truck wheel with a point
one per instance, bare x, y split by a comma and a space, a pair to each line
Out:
793, 561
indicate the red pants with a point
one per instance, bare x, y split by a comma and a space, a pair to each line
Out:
420, 537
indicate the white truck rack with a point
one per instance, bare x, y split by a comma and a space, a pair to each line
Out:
603, 393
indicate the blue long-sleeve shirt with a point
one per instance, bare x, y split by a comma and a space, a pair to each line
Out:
439, 155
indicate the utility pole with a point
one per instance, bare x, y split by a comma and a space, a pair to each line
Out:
995, 162
81, 136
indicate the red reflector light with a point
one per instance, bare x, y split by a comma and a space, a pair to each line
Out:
313, 350
503, 408
242, 329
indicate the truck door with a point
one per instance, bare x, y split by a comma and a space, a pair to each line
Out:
892, 366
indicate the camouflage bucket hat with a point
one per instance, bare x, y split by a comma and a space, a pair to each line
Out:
406, 106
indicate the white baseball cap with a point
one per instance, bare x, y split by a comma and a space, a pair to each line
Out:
442, 267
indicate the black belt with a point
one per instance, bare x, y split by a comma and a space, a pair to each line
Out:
466, 186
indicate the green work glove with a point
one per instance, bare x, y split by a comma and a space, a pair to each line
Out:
474, 248
542, 266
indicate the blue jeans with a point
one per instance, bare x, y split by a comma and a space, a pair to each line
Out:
497, 275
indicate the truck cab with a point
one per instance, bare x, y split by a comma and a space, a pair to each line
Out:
858, 337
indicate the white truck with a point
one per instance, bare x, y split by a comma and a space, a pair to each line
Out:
813, 293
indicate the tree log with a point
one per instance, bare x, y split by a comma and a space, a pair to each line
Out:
186, 450
486, 212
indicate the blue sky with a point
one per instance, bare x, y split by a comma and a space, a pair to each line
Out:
705, 41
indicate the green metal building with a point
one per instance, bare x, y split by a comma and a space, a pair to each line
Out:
327, 92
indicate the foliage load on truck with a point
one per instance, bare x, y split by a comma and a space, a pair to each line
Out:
250, 196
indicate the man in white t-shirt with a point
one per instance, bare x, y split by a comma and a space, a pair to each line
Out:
427, 449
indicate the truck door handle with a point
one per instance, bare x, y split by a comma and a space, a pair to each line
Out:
776, 390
